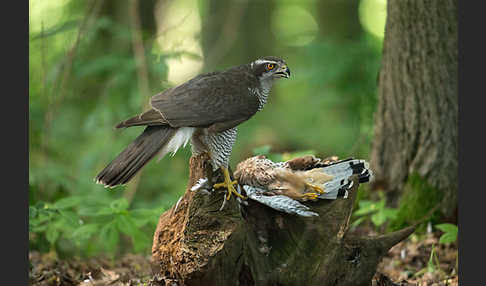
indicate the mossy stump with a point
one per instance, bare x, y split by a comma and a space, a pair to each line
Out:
197, 244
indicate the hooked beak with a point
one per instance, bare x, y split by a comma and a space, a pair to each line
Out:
283, 72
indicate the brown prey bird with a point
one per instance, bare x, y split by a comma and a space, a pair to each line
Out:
302, 179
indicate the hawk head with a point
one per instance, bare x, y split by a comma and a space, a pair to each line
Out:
270, 67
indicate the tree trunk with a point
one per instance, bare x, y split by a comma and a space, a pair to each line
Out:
197, 244
236, 32
416, 134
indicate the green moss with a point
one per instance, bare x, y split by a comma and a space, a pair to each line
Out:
416, 202
364, 193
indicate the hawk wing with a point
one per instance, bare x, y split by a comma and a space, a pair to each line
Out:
220, 100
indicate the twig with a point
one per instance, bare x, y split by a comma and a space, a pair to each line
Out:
163, 31
138, 48
43, 59
427, 215
53, 105
142, 76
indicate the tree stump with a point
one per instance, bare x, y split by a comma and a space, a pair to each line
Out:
197, 244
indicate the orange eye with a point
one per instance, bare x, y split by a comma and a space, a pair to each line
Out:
270, 66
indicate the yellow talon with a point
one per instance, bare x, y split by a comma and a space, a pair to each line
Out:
311, 196
315, 188
228, 184
220, 185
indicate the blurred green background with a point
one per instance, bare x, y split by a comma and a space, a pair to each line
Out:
95, 63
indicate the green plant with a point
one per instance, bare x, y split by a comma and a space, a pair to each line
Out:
94, 228
433, 264
376, 211
450, 232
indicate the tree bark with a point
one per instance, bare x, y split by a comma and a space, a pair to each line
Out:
197, 244
416, 128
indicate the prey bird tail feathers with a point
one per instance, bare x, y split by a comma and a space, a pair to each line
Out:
334, 179
136, 155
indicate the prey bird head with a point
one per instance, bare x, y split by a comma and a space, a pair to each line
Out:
270, 67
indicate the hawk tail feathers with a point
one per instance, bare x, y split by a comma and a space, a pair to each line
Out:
341, 171
136, 155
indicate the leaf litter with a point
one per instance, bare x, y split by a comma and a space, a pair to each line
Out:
420, 260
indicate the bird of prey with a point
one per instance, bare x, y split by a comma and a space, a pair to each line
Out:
206, 111
301, 179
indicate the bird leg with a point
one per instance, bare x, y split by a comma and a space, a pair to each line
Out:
228, 184
316, 188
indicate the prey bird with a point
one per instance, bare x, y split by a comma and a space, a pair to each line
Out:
206, 111
302, 179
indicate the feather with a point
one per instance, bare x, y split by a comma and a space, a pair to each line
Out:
135, 156
278, 202
180, 138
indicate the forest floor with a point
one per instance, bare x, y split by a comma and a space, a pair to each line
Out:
407, 263
410, 263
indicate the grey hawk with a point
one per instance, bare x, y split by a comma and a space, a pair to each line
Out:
206, 111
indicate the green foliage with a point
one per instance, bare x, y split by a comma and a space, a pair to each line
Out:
83, 228
450, 232
265, 151
56, 29
74, 102
375, 211
416, 202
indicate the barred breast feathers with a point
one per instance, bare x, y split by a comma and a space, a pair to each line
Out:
261, 94
220, 145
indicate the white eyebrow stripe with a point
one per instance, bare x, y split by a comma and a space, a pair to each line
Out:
264, 61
